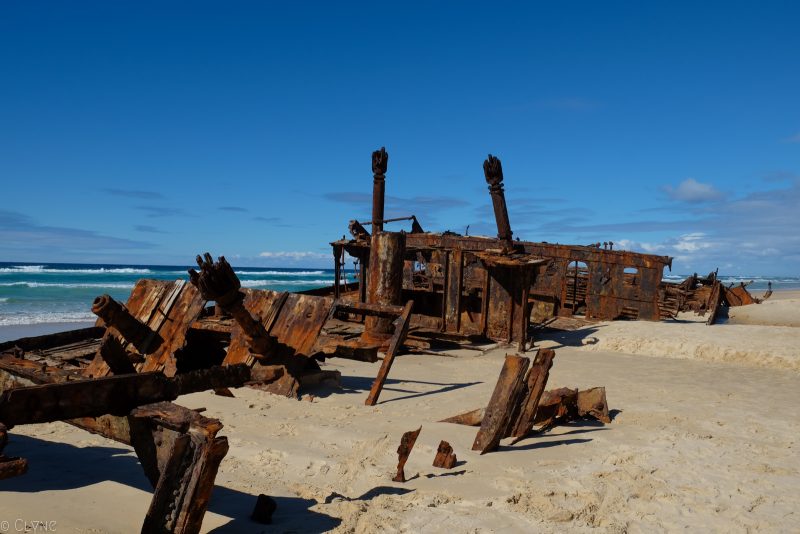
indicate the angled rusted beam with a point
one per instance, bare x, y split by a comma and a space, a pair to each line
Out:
505, 398
395, 343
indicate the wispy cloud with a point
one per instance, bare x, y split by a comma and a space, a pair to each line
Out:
793, 138
568, 104
162, 211
692, 191
22, 235
133, 193
233, 209
148, 229
294, 256
269, 220
424, 207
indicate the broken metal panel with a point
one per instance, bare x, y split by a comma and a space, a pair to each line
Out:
738, 296
165, 309
294, 321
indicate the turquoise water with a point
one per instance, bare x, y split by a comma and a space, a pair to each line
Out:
57, 292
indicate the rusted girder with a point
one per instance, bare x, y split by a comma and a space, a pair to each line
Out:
115, 395
380, 161
493, 171
218, 282
117, 316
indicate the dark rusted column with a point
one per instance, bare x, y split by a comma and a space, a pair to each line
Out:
116, 315
337, 267
385, 277
380, 160
218, 282
494, 177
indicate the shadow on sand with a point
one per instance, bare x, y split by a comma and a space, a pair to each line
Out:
61, 466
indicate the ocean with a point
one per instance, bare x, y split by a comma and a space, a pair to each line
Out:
62, 293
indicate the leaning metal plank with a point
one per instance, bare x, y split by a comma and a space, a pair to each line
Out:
505, 398
167, 308
395, 343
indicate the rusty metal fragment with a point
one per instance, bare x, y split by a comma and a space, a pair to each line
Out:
592, 402
406, 444
470, 418
505, 399
445, 457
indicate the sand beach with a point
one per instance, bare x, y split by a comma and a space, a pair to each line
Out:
703, 438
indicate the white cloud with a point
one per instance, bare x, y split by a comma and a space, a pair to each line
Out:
690, 190
693, 242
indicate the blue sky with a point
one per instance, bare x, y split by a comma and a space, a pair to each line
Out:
146, 132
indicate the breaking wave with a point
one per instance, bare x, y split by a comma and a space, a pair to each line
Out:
33, 269
112, 285
46, 317
272, 283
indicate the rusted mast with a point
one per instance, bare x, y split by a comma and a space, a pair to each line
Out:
218, 282
116, 315
380, 161
493, 171
385, 277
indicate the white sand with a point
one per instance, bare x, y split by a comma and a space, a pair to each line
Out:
703, 440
